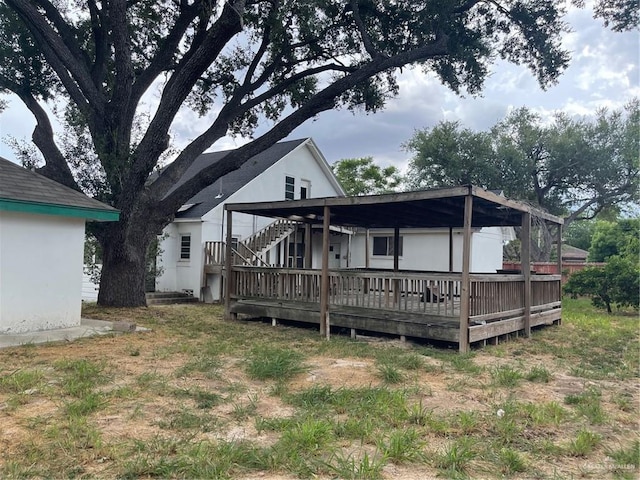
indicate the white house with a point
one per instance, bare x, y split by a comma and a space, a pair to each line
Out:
41, 250
293, 170
288, 170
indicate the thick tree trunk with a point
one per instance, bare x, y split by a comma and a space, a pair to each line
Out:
122, 283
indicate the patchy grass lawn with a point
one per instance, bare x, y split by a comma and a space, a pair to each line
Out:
198, 397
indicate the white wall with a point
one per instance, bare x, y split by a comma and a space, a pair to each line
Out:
178, 274
41, 260
429, 250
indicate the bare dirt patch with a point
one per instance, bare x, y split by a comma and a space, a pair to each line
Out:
145, 389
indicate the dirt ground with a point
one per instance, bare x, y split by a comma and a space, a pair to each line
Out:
440, 389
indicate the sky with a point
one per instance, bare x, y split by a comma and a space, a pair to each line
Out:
604, 72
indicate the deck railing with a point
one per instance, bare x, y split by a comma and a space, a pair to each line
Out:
214, 253
491, 295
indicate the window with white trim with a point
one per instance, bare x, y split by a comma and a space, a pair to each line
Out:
185, 247
289, 187
383, 246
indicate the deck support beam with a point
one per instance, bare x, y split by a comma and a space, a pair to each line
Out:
228, 265
450, 249
525, 261
465, 300
396, 265
307, 246
559, 260
325, 328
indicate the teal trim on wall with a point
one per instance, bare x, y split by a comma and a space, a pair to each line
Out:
59, 210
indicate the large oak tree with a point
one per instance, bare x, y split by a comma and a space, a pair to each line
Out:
239, 63
574, 168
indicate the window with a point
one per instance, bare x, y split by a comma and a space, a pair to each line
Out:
383, 246
185, 247
305, 187
289, 187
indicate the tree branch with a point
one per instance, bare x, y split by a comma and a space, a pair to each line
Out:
61, 59
366, 39
176, 91
321, 101
165, 52
232, 109
56, 166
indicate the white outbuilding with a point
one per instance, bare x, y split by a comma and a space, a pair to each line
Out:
42, 226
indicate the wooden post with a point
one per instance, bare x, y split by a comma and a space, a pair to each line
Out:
228, 265
295, 245
396, 245
559, 252
366, 249
396, 265
324, 277
450, 249
559, 246
307, 246
463, 345
525, 261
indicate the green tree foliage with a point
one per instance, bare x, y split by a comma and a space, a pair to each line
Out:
241, 64
579, 234
617, 283
361, 176
615, 238
620, 15
614, 284
575, 168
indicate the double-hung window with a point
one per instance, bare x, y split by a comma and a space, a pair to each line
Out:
383, 246
289, 188
185, 247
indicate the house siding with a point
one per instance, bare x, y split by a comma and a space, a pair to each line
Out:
429, 250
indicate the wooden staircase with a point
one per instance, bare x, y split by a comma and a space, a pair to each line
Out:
250, 251
270, 235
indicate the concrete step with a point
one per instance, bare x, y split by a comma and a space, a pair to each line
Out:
166, 294
171, 301
166, 298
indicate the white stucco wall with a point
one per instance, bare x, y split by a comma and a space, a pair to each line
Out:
41, 260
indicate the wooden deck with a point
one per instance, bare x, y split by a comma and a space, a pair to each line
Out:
414, 304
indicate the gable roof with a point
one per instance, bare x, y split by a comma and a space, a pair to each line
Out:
218, 192
22, 190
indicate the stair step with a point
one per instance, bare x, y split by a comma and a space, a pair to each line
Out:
151, 295
171, 300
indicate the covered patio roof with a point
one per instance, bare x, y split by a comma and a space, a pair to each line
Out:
435, 208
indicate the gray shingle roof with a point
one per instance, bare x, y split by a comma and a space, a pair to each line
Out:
205, 200
20, 185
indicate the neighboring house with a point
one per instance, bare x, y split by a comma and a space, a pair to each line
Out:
572, 254
42, 226
288, 170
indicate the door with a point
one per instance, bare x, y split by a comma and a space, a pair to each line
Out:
334, 255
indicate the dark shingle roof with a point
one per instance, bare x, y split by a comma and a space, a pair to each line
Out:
206, 199
19, 186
